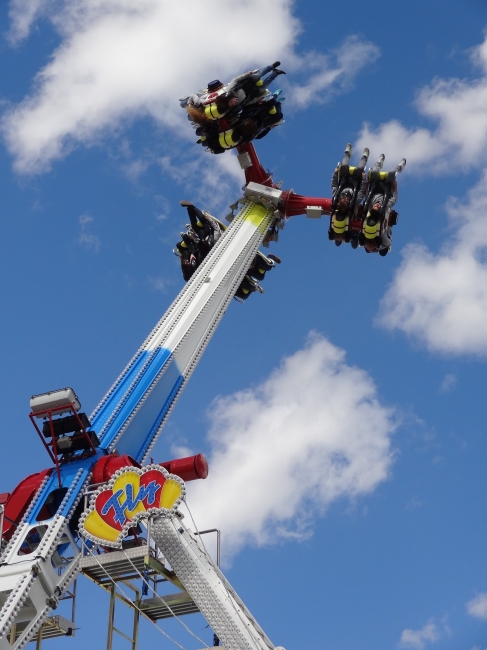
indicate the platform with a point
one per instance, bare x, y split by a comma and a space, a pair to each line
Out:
180, 604
118, 566
53, 627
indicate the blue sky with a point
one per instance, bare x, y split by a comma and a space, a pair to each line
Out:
347, 403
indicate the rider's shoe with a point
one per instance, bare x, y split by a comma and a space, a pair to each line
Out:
185, 204
380, 160
366, 152
401, 165
276, 64
274, 258
348, 149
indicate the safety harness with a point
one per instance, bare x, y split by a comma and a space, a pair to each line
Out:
379, 183
347, 177
226, 139
212, 112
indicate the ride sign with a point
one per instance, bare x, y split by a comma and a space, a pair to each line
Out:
130, 495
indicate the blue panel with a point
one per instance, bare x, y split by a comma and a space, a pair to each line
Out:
155, 362
160, 417
108, 407
68, 473
141, 430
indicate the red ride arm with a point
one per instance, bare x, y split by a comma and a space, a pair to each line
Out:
294, 204
291, 204
256, 173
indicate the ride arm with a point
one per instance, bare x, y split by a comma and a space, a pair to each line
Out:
291, 204
132, 414
210, 590
128, 420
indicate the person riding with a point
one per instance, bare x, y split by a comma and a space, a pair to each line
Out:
203, 232
379, 217
256, 273
220, 142
349, 186
206, 229
266, 113
220, 100
261, 264
251, 85
202, 114
200, 97
247, 286
189, 255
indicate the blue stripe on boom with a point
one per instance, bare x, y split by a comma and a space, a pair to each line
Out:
107, 409
140, 433
156, 361
160, 417
68, 473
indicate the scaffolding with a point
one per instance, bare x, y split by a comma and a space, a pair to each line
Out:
53, 626
127, 568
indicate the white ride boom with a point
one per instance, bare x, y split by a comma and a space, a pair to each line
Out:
42, 557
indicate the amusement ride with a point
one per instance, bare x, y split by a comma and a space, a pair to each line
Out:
99, 509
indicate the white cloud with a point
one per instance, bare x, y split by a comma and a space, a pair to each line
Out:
121, 59
22, 15
85, 237
85, 219
158, 284
335, 72
458, 108
441, 299
311, 433
419, 638
477, 607
449, 381
215, 182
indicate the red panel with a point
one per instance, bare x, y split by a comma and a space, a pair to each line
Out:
189, 469
4, 498
201, 466
294, 204
106, 467
256, 173
19, 500
291, 204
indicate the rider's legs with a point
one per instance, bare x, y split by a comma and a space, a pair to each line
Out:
363, 160
347, 154
199, 223
399, 167
378, 165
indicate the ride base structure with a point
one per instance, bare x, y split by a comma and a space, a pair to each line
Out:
43, 549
